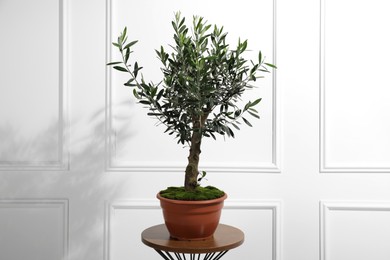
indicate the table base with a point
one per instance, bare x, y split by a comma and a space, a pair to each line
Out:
182, 256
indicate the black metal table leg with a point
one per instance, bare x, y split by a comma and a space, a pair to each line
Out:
164, 255
207, 256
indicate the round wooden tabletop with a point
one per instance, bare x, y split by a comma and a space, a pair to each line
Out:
225, 238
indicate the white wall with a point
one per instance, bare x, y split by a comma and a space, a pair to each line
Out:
80, 163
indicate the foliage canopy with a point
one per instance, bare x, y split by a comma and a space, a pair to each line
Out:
203, 82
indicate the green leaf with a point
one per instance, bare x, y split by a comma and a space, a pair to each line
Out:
237, 113
254, 68
230, 131
235, 126
120, 68
129, 83
244, 45
174, 25
117, 45
254, 115
114, 63
254, 103
127, 55
247, 122
271, 65
136, 69
145, 102
123, 35
160, 93
247, 106
130, 44
154, 114
260, 57
182, 22
153, 91
202, 175
135, 94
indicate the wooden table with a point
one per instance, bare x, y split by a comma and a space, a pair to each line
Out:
225, 238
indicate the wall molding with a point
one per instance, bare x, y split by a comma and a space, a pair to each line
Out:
62, 204
326, 207
264, 167
63, 117
273, 206
325, 165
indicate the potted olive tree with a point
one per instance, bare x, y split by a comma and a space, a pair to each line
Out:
198, 96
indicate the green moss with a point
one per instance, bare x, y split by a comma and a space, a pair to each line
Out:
200, 193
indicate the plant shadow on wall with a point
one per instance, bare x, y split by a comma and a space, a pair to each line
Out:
85, 185
17, 149
19, 152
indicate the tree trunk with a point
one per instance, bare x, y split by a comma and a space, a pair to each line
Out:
192, 171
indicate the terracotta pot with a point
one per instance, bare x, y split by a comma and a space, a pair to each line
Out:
191, 220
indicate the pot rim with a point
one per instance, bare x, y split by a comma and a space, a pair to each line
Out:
217, 200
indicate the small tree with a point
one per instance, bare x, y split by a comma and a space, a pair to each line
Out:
202, 84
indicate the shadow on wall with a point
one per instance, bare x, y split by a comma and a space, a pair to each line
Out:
86, 185
18, 150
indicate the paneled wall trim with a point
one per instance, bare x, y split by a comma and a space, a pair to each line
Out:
275, 207
62, 163
147, 205
112, 164
112, 207
55, 228
351, 141
331, 208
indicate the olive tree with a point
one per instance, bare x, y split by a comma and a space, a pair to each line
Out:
201, 89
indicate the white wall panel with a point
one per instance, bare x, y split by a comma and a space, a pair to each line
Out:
355, 113
261, 223
32, 85
125, 221
33, 229
355, 230
259, 220
134, 142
